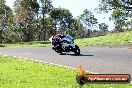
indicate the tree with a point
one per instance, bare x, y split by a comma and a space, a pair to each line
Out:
2, 6
25, 12
88, 20
50, 26
118, 15
46, 7
6, 19
121, 11
76, 28
9, 15
129, 24
2, 19
103, 27
113, 4
62, 17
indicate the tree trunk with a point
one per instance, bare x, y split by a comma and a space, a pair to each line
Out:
1, 39
88, 34
44, 30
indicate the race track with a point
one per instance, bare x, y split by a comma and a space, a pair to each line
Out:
93, 59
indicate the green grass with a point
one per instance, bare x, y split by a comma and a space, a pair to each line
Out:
116, 38
28, 44
20, 73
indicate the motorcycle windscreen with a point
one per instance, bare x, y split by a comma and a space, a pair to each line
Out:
50, 39
69, 37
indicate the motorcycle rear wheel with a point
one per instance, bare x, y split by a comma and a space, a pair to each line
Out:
58, 51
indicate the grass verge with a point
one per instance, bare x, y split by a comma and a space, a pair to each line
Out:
28, 44
110, 39
20, 73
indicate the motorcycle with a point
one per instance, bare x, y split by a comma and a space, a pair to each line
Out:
64, 44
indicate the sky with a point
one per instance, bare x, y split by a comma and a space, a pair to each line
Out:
77, 7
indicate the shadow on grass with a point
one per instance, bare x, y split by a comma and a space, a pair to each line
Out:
75, 55
34, 42
43, 42
2, 45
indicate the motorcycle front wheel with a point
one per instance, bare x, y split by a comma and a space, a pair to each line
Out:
76, 50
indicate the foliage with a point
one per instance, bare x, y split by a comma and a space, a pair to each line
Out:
113, 4
89, 21
46, 7
121, 11
103, 27
6, 19
37, 20
119, 16
62, 17
2, 6
25, 13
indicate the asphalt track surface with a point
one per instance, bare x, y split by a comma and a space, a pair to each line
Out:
94, 59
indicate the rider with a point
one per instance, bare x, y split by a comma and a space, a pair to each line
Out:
57, 39
58, 36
